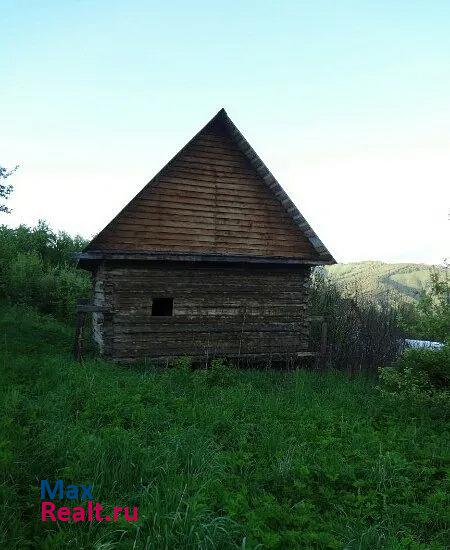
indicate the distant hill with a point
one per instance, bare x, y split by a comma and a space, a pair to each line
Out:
383, 280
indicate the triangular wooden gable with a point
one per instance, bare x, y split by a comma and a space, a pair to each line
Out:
214, 197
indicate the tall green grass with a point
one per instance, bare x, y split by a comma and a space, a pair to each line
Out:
213, 459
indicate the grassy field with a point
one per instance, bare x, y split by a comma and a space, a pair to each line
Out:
213, 459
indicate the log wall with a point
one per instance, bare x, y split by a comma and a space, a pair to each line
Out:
217, 311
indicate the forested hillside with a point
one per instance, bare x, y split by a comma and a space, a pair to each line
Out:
383, 280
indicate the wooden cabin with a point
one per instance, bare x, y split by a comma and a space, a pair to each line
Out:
211, 258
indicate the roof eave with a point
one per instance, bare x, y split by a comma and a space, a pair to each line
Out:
93, 257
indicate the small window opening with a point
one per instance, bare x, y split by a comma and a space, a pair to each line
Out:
162, 307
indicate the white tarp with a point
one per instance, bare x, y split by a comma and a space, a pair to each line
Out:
423, 344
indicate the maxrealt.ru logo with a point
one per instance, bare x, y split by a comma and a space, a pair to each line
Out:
91, 511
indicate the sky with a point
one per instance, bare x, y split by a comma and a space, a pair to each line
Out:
348, 103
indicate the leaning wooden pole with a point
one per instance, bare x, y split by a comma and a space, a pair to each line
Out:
78, 345
323, 344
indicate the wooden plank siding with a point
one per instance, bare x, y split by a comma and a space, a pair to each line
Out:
218, 311
208, 199
216, 232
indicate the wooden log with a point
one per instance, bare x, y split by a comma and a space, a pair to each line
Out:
228, 311
78, 345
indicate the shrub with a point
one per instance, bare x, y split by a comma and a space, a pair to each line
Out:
419, 375
37, 269
184, 362
219, 373
362, 333
432, 315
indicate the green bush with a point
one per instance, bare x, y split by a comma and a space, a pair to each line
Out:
184, 362
219, 373
419, 375
37, 269
431, 319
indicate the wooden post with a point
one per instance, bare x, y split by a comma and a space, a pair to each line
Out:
323, 342
83, 307
320, 355
78, 346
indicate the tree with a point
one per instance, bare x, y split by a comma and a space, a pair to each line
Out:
433, 309
5, 190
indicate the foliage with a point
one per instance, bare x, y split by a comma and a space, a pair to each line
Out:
218, 373
276, 460
185, 362
37, 269
432, 319
5, 190
362, 333
420, 376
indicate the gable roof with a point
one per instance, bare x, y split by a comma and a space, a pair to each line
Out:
215, 199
